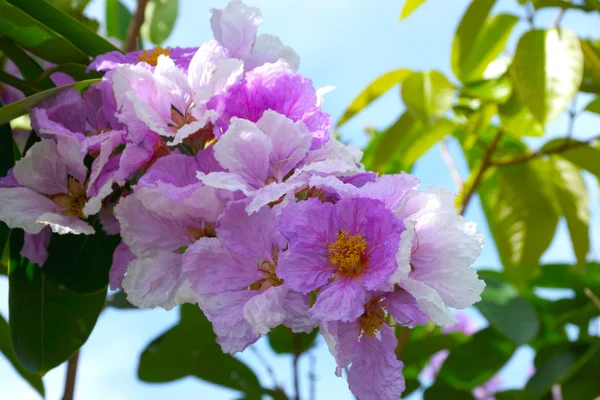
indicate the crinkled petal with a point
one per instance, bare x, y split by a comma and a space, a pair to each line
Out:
235, 27
266, 310
304, 271
341, 300
63, 224
342, 340
298, 317
35, 247
390, 189
42, 169
404, 309
122, 256
270, 49
225, 180
21, 207
402, 257
272, 192
430, 302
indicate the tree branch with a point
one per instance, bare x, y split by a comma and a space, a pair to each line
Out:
70, 378
485, 164
312, 377
567, 145
296, 347
592, 297
133, 32
265, 364
451, 166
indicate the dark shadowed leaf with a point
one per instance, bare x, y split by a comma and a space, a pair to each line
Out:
373, 90
514, 395
441, 390
284, 341
548, 68
29, 68
474, 362
568, 276
6, 348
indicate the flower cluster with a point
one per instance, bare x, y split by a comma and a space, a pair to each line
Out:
216, 167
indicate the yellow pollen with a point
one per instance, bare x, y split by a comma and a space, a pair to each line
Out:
373, 317
77, 206
348, 252
268, 270
151, 56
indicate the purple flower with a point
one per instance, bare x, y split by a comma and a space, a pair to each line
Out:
343, 249
269, 159
235, 28
45, 196
274, 87
109, 61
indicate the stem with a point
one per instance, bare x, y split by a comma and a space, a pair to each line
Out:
572, 117
485, 164
451, 166
312, 377
559, 17
265, 364
296, 347
567, 145
530, 9
592, 297
402, 340
133, 32
70, 378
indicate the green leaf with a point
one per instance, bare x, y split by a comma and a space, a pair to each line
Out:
185, 349
421, 350
585, 383
409, 7
467, 33
119, 300
160, 19
36, 37
6, 348
591, 66
29, 68
517, 120
118, 18
21, 107
564, 4
557, 364
428, 94
440, 390
405, 141
81, 262
594, 106
48, 322
568, 277
86, 40
508, 312
375, 89
6, 149
488, 45
284, 341
494, 90
582, 154
476, 361
514, 395
572, 196
75, 71
522, 214
548, 69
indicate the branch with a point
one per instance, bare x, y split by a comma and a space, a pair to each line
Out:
70, 378
592, 297
265, 364
451, 166
133, 32
485, 164
567, 145
559, 17
296, 347
402, 340
312, 377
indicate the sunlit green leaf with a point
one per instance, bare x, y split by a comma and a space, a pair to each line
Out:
474, 362
591, 66
594, 106
572, 196
580, 154
495, 90
409, 7
160, 19
6, 348
375, 89
548, 69
428, 94
118, 18
21, 107
517, 120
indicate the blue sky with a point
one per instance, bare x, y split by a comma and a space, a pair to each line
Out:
344, 43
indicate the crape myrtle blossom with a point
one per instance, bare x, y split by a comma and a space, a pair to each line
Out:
109, 61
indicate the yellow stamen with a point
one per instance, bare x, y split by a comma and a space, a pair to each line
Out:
151, 56
348, 252
268, 270
373, 317
77, 206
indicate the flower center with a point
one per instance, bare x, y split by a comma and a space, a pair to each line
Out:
268, 270
348, 253
151, 56
77, 206
373, 317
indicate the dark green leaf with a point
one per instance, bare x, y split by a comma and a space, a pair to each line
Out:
591, 66
118, 18
160, 19
86, 40
29, 68
572, 196
568, 276
440, 390
6, 348
422, 349
467, 33
372, 92
25, 87
514, 395
48, 322
409, 7
580, 154
119, 300
410, 386
557, 364
428, 94
184, 350
564, 4
585, 383
284, 341
476, 361
594, 106
81, 262
548, 69
21, 107
36, 37
75, 71
521, 209
488, 45
508, 312
517, 120
6, 149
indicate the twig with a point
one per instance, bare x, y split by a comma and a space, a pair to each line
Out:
567, 145
572, 117
296, 347
485, 164
265, 364
402, 340
451, 166
70, 378
312, 377
530, 9
592, 297
559, 17
133, 32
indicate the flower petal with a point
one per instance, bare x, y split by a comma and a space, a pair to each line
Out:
265, 311
341, 300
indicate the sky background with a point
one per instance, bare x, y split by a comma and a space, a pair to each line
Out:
344, 43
